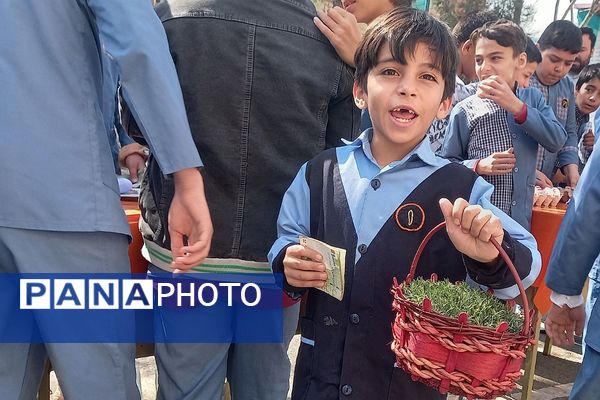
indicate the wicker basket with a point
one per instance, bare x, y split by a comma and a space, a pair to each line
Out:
451, 355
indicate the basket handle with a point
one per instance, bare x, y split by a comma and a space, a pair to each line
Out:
507, 260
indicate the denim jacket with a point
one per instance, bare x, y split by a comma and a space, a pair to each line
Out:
264, 92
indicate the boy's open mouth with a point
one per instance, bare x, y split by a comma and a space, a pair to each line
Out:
403, 114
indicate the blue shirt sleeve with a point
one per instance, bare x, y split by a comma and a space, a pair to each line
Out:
458, 134
541, 123
133, 35
294, 215
578, 242
480, 195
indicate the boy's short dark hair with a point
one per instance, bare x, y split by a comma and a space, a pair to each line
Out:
586, 30
532, 51
589, 72
402, 30
562, 35
504, 32
466, 25
402, 3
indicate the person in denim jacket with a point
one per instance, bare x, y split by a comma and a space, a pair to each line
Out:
264, 92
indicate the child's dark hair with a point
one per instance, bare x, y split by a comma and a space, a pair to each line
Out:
562, 35
589, 72
402, 30
586, 30
466, 25
402, 3
533, 53
504, 32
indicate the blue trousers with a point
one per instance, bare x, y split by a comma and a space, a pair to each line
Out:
94, 371
587, 383
197, 371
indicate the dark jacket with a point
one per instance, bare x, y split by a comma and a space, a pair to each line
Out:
264, 92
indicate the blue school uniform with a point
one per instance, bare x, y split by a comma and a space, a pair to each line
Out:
379, 215
479, 127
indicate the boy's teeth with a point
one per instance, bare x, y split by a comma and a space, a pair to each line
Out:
403, 114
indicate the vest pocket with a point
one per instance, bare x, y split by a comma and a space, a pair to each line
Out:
304, 362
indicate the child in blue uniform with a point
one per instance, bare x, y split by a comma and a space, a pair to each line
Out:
377, 198
496, 132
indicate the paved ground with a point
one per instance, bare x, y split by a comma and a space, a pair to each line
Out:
554, 374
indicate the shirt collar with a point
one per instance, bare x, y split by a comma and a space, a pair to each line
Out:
421, 152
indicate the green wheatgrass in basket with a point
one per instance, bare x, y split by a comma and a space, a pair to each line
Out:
451, 299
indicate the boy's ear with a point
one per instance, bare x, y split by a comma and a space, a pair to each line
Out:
467, 46
522, 60
444, 108
360, 96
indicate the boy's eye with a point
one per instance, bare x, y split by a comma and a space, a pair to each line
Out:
496, 58
429, 77
389, 71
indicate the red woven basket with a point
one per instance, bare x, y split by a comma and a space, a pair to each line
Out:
451, 355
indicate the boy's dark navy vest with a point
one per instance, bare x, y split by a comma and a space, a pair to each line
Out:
351, 356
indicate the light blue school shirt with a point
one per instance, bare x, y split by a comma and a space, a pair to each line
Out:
370, 209
55, 161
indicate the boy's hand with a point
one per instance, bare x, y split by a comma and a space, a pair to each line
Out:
571, 174
341, 28
588, 140
542, 180
303, 267
135, 163
494, 88
501, 163
470, 228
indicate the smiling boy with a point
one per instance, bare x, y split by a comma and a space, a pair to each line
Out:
496, 131
377, 198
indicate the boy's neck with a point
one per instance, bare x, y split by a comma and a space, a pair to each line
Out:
385, 153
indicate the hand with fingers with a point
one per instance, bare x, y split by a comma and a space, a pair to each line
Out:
470, 228
303, 267
500, 163
494, 88
342, 30
562, 323
542, 180
135, 163
189, 221
572, 176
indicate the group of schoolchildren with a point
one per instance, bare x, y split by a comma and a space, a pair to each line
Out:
434, 149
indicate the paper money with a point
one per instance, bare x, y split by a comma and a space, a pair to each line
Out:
335, 265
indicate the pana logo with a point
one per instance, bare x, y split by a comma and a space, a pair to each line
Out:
410, 217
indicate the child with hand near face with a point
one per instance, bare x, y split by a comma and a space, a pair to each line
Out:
496, 132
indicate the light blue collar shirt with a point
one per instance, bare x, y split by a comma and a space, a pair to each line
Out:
370, 209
